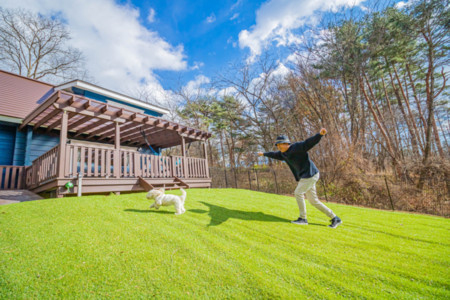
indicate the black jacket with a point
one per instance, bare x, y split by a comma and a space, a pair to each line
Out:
297, 157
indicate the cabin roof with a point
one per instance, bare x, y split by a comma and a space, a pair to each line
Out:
20, 95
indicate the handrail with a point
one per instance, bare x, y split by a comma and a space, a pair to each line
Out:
42, 168
12, 177
100, 162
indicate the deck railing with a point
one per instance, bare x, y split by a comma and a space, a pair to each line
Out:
12, 177
88, 161
196, 167
43, 168
97, 161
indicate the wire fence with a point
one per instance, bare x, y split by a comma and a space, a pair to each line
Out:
381, 191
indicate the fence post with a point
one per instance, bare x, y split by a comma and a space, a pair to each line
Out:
276, 183
257, 181
226, 181
389, 192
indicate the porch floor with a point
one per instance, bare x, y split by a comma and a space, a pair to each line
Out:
16, 196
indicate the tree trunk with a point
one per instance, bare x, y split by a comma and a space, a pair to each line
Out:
429, 82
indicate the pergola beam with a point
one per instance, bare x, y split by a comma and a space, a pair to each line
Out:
79, 122
98, 130
137, 134
45, 119
94, 114
110, 130
57, 122
123, 128
86, 128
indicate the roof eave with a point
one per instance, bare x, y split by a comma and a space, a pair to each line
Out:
108, 93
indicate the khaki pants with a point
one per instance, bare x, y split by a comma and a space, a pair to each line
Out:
308, 186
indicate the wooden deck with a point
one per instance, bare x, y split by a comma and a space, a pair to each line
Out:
98, 143
104, 169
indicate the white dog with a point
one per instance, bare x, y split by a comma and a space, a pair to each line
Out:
162, 199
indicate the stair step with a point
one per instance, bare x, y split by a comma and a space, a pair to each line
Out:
176, 184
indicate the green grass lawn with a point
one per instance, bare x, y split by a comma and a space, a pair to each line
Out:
229, 244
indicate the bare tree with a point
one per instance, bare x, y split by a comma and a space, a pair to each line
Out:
35, 46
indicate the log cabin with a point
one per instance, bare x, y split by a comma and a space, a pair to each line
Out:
79, 137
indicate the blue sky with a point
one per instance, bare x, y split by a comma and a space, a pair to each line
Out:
158, 45
208, 31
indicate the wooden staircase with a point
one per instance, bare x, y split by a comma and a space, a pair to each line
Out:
176, 184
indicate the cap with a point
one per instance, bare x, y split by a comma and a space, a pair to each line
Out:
282, 139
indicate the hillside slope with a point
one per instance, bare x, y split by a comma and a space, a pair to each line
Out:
229, 244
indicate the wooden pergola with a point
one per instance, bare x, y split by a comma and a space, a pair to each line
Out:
79, 118
90, 120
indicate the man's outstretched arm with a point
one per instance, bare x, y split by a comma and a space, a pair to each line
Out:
274, 155
314, 140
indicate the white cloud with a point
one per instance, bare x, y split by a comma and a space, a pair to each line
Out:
197, 65
199, 87
194, 86
281, 71
403, 4
235, 16
211, 18
277, 19
120, 53
235, 5
151, 15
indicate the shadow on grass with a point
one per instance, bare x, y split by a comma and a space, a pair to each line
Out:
148, 211
220, 214
315, 224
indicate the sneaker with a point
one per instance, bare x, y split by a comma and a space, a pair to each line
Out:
335, 222
300, 221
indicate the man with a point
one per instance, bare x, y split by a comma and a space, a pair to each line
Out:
305, 172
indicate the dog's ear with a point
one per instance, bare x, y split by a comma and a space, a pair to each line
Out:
162, 190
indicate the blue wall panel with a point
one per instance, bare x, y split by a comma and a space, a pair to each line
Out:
7, 139
20, 146
40, 144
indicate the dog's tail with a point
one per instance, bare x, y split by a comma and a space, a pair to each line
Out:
183, 194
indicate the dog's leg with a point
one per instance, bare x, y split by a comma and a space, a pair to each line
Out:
178, 208
154, 205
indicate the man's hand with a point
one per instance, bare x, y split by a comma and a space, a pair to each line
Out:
260, 153
323, 131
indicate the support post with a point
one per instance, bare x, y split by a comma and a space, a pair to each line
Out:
183, 149
80, 185
116, 162
62, 144
206, 159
